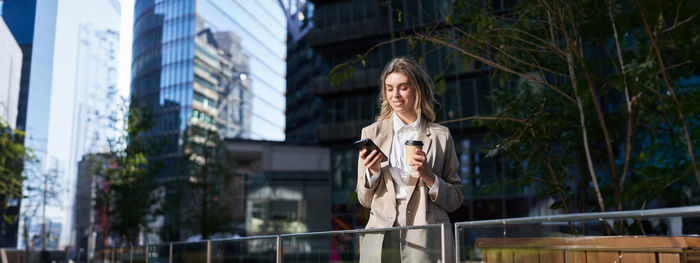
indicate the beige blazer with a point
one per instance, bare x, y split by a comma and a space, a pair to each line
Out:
421, 209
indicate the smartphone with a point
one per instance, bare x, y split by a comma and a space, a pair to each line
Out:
369, 145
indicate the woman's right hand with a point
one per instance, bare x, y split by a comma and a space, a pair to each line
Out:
371, 160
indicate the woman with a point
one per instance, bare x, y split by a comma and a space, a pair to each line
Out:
402, 192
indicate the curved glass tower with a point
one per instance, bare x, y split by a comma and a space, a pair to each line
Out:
212, 66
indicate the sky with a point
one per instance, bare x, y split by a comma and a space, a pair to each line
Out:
126, 31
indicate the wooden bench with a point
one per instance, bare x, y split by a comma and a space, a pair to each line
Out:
591, 249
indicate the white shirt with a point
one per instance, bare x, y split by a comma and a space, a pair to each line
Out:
400, 171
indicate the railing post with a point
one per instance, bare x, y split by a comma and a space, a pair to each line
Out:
208, 251
170, 256
279, 249
457, 246
146, 253
442, 238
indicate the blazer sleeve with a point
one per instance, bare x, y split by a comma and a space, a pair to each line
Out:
450, 191
364, 194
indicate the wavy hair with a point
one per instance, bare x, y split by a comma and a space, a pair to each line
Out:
420, 80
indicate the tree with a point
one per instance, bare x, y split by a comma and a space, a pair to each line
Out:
126, 194
205, 183
13, 156
595, 99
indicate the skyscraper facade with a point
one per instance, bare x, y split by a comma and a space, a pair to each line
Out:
91, 224
94, 125
216, 65
208, 66
96, 102
33, 25
10, 69
303, 110
19, 17
56, 84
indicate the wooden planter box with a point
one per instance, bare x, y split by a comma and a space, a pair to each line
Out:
591, 249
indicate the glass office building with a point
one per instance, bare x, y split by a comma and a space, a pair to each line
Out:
10, 70
65, 68
212, 65
207, 67
303, 64
33, 24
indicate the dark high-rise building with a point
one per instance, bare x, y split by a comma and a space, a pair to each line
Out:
303, 112
90, 224
344, 29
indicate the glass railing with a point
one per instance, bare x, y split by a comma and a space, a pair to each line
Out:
122, 255
658, 235
159, 253
138, 254
190, 252
627, 236
371, 245
247, 249
104, 255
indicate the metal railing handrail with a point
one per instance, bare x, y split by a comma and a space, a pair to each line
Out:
186, 242
242, 238
364, 230
637, 214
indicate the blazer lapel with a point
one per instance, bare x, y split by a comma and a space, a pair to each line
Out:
384, 140
424, 136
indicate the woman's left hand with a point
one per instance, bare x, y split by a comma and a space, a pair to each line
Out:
420, 164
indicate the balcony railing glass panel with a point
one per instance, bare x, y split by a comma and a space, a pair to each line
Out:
123, 255
159, 253
254, 249
138, 254
189, 252
388, 244
634, 236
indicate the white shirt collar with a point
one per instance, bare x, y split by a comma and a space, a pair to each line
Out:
398, 123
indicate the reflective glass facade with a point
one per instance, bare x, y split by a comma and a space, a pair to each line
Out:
259, 28
33, 25
209, 65
303, 114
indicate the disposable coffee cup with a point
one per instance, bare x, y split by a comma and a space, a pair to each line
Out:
411, 147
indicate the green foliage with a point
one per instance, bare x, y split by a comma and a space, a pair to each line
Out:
611, 85
552, 52
343, 72
13, 156
205, 187
126, 180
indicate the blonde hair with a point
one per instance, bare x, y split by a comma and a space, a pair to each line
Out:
420, 80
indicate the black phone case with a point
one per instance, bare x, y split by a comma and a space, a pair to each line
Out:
369, 144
